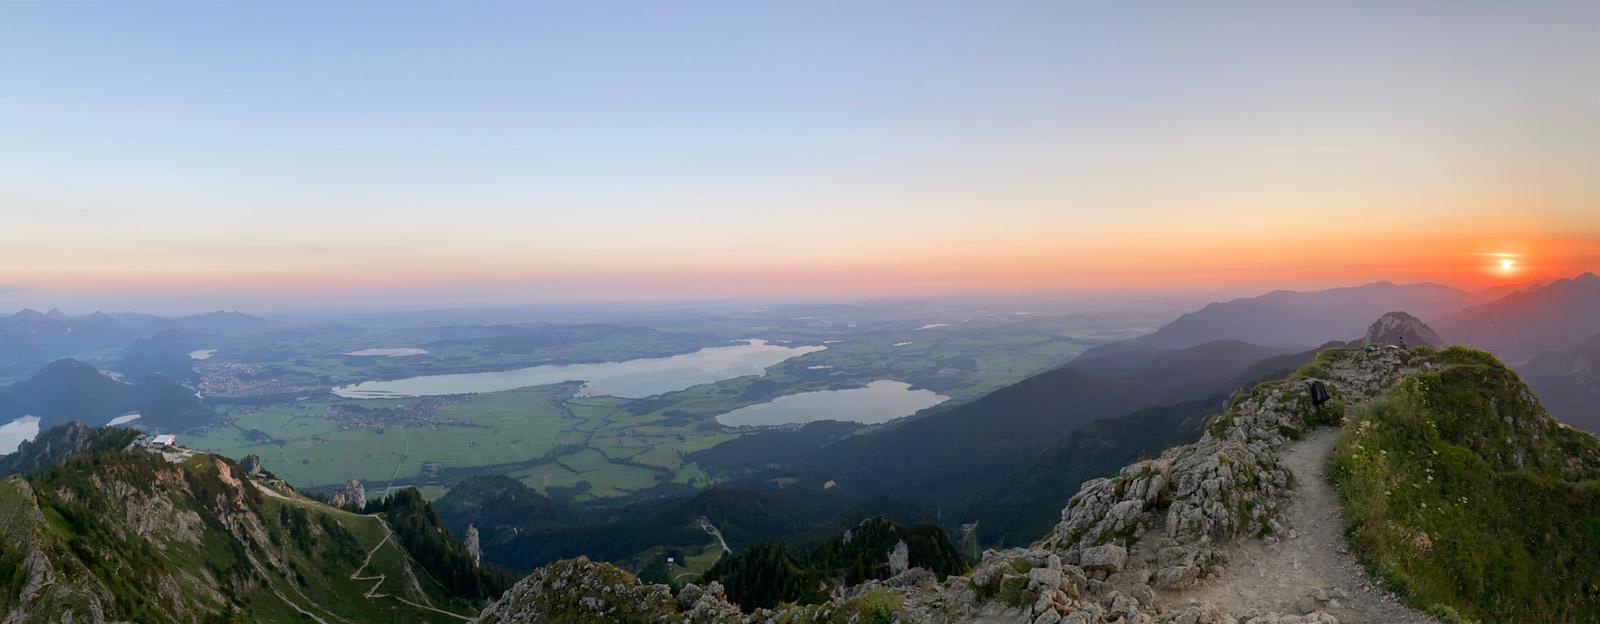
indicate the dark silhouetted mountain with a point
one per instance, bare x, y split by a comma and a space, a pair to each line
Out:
1026, 504
30, 336
1307, 319
219, 322
1568, 383
954, 453
162, 356
1530, 321
68, 390
222, 322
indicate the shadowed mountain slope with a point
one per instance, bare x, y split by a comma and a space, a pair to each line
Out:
1307, 319
954, 453
69, 390
1568, 383
1531, 321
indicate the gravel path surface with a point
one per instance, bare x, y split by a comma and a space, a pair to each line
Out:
1313, 558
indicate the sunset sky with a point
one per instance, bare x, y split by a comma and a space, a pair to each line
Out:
283, 155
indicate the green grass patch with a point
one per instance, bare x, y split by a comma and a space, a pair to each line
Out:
1472, 502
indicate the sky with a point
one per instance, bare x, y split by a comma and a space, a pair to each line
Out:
177, 155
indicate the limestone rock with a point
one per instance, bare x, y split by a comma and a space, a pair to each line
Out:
352, 496
1109, 557
251, 464
899, 558
474, 547
1399, 328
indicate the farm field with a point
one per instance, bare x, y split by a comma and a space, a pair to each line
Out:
589, 448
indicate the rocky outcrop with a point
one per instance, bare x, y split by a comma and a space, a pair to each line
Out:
1399, 328
474, 545
1171, 513
352, 496
899, 558
583, 591
251, 465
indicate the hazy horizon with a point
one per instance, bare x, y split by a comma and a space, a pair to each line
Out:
274, 305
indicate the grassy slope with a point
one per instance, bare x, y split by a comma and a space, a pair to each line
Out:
156, 574
1475, 504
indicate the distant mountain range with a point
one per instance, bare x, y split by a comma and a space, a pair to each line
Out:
30, 337
1534, 320
1542, 328
1307, 319
69, 390
34, 336
221, 321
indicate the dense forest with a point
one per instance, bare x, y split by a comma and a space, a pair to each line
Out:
774, 573
419, 530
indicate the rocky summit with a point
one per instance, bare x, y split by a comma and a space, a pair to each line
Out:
1156, 543
1399, 328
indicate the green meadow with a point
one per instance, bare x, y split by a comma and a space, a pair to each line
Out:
582, 447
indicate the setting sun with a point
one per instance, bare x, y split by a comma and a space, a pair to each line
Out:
1507, 265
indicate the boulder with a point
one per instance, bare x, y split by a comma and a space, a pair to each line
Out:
1109, 558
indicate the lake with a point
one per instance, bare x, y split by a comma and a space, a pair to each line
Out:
880, 401
201, 354
15, 432
632, 379
389, 352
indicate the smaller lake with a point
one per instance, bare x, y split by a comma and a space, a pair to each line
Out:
633, 379
15, 432
122, 420
201, 354
393, 352
880, 401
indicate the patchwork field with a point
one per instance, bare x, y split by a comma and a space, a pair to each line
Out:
578, 447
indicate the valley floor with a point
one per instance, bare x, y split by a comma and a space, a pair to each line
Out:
1314, 558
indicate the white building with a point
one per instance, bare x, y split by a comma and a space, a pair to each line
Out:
162, 440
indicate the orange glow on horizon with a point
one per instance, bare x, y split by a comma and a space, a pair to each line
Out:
1151, 263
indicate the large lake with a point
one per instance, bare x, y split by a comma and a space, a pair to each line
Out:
15, 432
389, 352
880, 401
630, 379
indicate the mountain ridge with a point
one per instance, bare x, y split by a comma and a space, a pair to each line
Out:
146, 533
1307, 318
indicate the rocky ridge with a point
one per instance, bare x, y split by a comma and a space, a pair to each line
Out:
110, 534
1127, 547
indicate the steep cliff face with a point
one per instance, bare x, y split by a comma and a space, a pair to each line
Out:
1240, 527
133, 535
